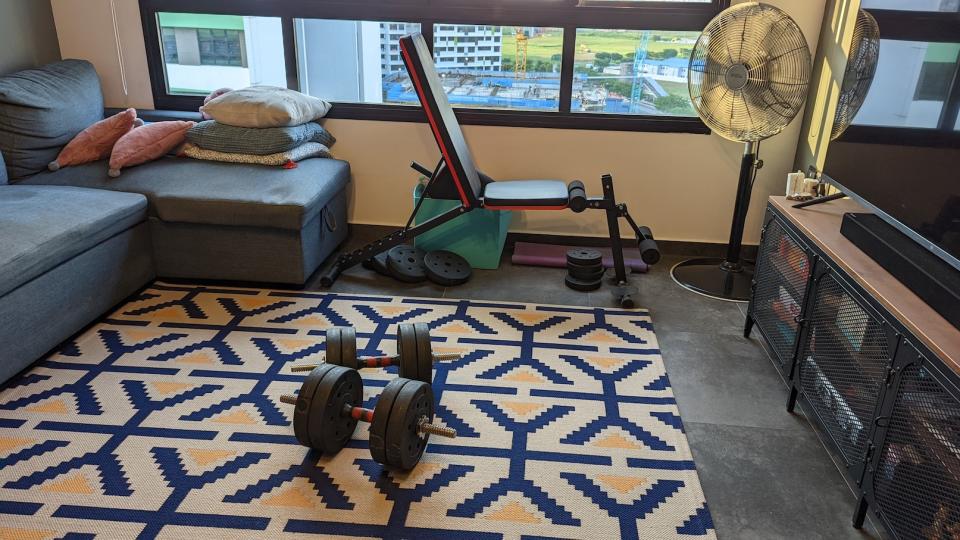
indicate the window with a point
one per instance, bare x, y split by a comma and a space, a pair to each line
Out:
913, 5
911, 84
915, 94
366, 68
632, 72
500, 67
202, 53
541, 63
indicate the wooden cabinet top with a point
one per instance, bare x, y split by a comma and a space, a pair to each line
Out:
821, 225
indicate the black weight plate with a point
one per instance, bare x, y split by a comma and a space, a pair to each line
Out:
586, 273
424, 353
405, 444
348, 348
341, 347
583, 286
332, 347
447, 268
381, 419
584, 257
301, 411
329, 429
406, 264
407, 351
378, 263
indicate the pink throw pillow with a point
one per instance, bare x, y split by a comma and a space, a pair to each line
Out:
147, 143
96, 142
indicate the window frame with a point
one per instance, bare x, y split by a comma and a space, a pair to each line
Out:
921, 26
566, 14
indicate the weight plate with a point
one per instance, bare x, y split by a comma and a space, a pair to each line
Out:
329, 428
301, 411
405, 443
583, 286
406, 264
337, 347
381, 418
447, 268
378, 263
407, 351
584, 257
424, 353
348, 348
586, 273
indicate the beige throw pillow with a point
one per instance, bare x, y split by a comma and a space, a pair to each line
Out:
265, 106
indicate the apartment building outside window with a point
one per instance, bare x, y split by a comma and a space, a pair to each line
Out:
583, 75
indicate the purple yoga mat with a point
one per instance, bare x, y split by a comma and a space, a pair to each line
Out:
530, 254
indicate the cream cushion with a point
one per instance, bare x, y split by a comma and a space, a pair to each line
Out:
265, 106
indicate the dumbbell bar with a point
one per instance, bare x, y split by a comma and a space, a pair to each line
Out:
327, 412
414, 352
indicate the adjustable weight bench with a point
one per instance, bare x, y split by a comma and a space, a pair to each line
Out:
457, 178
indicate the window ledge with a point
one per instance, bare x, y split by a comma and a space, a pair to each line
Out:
479, 117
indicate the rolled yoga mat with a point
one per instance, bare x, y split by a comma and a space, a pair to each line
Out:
531, 254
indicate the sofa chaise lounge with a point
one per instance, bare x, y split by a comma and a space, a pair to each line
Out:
75, 242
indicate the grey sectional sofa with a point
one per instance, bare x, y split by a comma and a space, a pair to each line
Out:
75, 242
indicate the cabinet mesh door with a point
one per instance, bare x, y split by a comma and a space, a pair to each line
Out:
917, 481
782, 274
842, 366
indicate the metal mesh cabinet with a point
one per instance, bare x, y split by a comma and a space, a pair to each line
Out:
845, 356
887, 406
780, 287
913, 482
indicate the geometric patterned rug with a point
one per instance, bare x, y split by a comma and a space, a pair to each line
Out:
164, 420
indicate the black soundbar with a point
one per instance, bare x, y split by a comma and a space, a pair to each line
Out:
927, 275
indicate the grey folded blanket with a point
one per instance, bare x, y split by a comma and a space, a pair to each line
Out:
212, 135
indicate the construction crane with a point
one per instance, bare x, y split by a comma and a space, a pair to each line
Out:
520, 69
638, 59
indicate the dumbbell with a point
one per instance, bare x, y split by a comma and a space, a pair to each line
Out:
328, 409
414, 352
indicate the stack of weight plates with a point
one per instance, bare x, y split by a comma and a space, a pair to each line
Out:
584, 269
413, 265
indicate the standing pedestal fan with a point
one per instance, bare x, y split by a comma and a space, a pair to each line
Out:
748, 78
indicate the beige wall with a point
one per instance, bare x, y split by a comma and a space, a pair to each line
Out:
681, 185
27, 36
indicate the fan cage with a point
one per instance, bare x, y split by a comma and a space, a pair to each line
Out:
769, 46
858, 75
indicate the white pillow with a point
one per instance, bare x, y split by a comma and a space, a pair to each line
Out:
265, 106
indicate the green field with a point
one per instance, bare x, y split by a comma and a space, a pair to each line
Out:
590, 42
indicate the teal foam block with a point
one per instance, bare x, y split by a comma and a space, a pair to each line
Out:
477, 236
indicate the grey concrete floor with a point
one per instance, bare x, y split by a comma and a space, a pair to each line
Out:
765, 472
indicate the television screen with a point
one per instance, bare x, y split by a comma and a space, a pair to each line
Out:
917, 186
901, 155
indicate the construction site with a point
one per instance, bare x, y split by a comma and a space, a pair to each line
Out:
636, 84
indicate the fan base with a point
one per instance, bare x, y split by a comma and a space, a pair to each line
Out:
715, 278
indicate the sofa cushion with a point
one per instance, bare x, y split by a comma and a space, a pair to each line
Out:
44, 226
42, 109
191, 191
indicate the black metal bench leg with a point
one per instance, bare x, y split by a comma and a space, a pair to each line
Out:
748, 327
613, 225
347, 260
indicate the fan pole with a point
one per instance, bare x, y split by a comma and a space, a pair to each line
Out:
747, 167
727, 278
